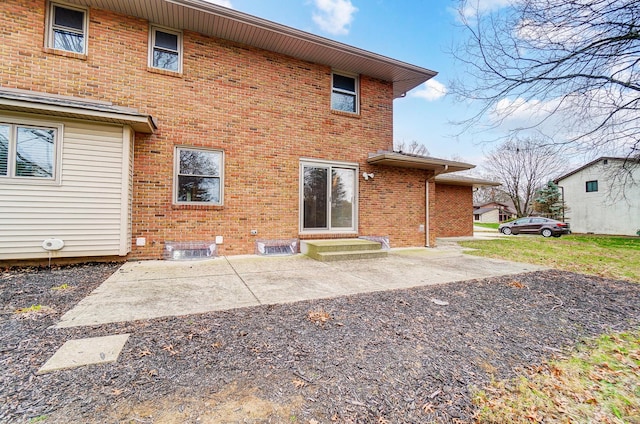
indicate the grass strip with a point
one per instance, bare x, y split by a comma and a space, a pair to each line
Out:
598, 382
604, 256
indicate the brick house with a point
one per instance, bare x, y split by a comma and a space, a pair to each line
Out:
127, 125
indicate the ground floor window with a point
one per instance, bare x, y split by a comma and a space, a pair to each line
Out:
328, 196
28, 152
198, 176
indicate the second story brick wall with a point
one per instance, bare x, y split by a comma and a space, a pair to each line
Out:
264, 110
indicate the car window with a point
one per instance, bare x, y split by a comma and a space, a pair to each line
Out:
521, 221
537, 220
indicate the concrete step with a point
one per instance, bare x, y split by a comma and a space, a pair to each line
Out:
338, 249
338, 245
349, 255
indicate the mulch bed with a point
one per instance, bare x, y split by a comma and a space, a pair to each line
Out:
386, 357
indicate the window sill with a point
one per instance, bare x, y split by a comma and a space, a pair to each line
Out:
196, 207
72, 55
345, 114
164, 72
5, 180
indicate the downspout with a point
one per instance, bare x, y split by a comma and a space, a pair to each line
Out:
426, 208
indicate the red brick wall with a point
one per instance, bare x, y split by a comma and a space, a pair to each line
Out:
393, 204
264, 110
453, 211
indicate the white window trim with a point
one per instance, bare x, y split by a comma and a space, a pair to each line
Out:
357, 92
176, 168
57, 153
50, 43
356, 206
152, 41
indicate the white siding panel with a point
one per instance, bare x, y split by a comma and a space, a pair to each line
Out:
85, 210
605, 211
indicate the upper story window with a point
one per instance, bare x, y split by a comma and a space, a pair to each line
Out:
165, 49
592, 186
28, 152
67, 28
198, 176
344, 93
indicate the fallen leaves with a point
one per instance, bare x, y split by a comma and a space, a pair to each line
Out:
594, 383
428, 408
298, 384
169, 348
516, 284
319, 317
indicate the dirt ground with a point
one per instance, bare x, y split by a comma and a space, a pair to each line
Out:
403, 356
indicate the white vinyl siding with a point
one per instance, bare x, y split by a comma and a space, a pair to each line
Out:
85, 210
608, 210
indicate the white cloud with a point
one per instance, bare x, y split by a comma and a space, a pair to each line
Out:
564, 120
334, 16
528, 117
472, 8
225, 3
430, 90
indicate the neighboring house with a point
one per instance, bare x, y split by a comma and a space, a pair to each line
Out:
127, 125
493, 212
603, 198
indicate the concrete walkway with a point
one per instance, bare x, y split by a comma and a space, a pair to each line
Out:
153, 289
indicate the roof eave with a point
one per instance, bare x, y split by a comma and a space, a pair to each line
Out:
418, 162
139, 122
218, 21
469, 182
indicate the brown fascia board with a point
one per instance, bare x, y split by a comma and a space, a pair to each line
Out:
221, 22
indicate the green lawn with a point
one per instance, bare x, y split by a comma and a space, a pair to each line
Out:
597, 381
605, 256
487, 225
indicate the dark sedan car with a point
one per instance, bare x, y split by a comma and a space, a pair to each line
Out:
535, 225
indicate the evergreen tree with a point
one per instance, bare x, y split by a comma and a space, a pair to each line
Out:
548, 201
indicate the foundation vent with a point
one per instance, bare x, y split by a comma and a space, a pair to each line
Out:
188, 251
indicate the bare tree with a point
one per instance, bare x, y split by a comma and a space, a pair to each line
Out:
414, 148
567, 69
523, 167
484, 195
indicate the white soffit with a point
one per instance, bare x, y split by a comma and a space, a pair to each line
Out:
404, 160
217, 21
462, 180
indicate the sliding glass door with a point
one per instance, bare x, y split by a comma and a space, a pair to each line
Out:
328, 197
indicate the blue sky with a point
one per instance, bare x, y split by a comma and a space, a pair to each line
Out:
419, 32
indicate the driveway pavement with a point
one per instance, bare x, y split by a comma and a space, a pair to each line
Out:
153, 289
